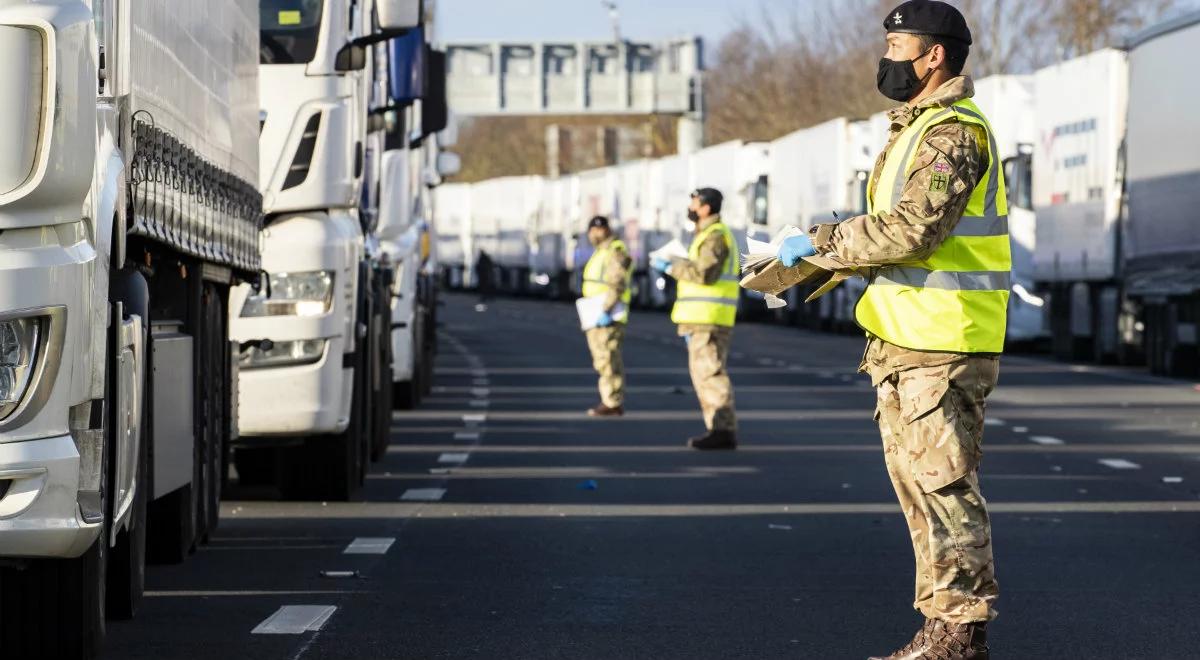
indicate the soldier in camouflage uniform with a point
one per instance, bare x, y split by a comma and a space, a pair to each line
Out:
705, 310
608, 274
931, 402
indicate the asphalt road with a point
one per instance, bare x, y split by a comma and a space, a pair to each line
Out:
545, 534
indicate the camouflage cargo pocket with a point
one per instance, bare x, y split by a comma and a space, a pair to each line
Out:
940, 432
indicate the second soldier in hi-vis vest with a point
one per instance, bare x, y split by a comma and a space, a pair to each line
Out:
706, 303
935, 245
608, 274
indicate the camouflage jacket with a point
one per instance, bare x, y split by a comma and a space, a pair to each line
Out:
615, 273
925, 215
706, 268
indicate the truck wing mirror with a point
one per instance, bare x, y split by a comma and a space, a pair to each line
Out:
352, 57
396, 16
448, 164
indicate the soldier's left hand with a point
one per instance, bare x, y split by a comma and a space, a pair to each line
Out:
604, 320
794, 249
662, 265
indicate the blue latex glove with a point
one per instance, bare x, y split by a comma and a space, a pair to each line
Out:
687, 340
794, 249
662, 265
604, 320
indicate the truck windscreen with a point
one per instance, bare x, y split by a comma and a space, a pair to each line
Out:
290, 29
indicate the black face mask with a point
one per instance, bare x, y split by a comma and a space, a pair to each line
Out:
898, 80
693, 216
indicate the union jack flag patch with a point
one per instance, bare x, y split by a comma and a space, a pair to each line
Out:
939, 166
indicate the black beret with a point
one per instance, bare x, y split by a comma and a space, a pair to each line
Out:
598, 221
930, 17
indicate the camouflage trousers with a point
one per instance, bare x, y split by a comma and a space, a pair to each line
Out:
931, 420
707, 352
605, 346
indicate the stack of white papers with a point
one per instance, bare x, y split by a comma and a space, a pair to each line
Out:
590, 309
670, 251
760, 254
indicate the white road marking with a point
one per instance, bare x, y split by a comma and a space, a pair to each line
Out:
1172, 480
780, 527
436, 471
1020, 429
367, 545
1119, 464
474, 418
994, 421
1045, 440
423, 494
479, 403
466, 435
481, 382
480, 392
453, 458
295, 619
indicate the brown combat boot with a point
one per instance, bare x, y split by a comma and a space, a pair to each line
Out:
714, 440
602, 410
939, 640
913, 649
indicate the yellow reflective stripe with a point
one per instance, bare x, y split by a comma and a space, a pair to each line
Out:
981, 225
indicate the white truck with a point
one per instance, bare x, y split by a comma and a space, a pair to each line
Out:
1080, 107
1161, 234
411, 168
128, 210
1007, 101
812, 174
317, 335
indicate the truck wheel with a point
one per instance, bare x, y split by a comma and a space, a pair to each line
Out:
55, 608
328, 467
127, 562
404, 394
255, 465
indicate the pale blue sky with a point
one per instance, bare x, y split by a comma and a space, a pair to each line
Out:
587, 19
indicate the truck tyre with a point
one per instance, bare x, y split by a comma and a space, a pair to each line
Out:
329, 467
255, 465
56, 608
126, 571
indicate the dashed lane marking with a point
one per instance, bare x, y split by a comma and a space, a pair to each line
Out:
1045, 440
479, 403
466, 435
295, 620
367, 545
481, 392
474, 418
994, 421
423, 495
453, 458
1119, 464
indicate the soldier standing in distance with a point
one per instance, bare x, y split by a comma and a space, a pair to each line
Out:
608, 274
935, 244
705, 310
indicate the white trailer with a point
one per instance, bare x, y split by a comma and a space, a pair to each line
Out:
1161, 237
812, 174
128, 209
452, 211
306, 390
1080, 108
1007, 102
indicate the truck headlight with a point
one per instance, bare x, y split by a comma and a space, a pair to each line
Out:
293, 294
18, 352
283, 354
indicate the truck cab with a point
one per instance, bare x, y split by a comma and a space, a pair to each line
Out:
314, 333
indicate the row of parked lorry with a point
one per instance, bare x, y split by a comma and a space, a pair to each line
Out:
215, 251
1102, 157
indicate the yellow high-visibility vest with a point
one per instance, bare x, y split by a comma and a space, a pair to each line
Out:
715, 304
594, 283
957, 299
